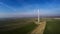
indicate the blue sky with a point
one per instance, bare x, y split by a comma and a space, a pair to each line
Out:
22, 8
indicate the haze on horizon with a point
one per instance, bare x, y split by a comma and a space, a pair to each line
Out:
22, 8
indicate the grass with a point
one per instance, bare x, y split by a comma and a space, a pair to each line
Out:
16, 26
22, 30
52, 27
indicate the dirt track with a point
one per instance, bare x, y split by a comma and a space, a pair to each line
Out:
40, 28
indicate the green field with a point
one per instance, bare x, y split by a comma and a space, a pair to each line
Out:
23, 30
52, 26
17, 26
26, 25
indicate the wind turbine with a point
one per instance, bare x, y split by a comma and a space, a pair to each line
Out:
38, 16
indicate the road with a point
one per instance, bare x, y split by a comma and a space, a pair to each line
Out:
40, 28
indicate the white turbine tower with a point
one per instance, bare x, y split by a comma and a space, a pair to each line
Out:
38, 16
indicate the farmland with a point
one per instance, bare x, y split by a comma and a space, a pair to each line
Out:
17, 26
52, 26
27, 25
